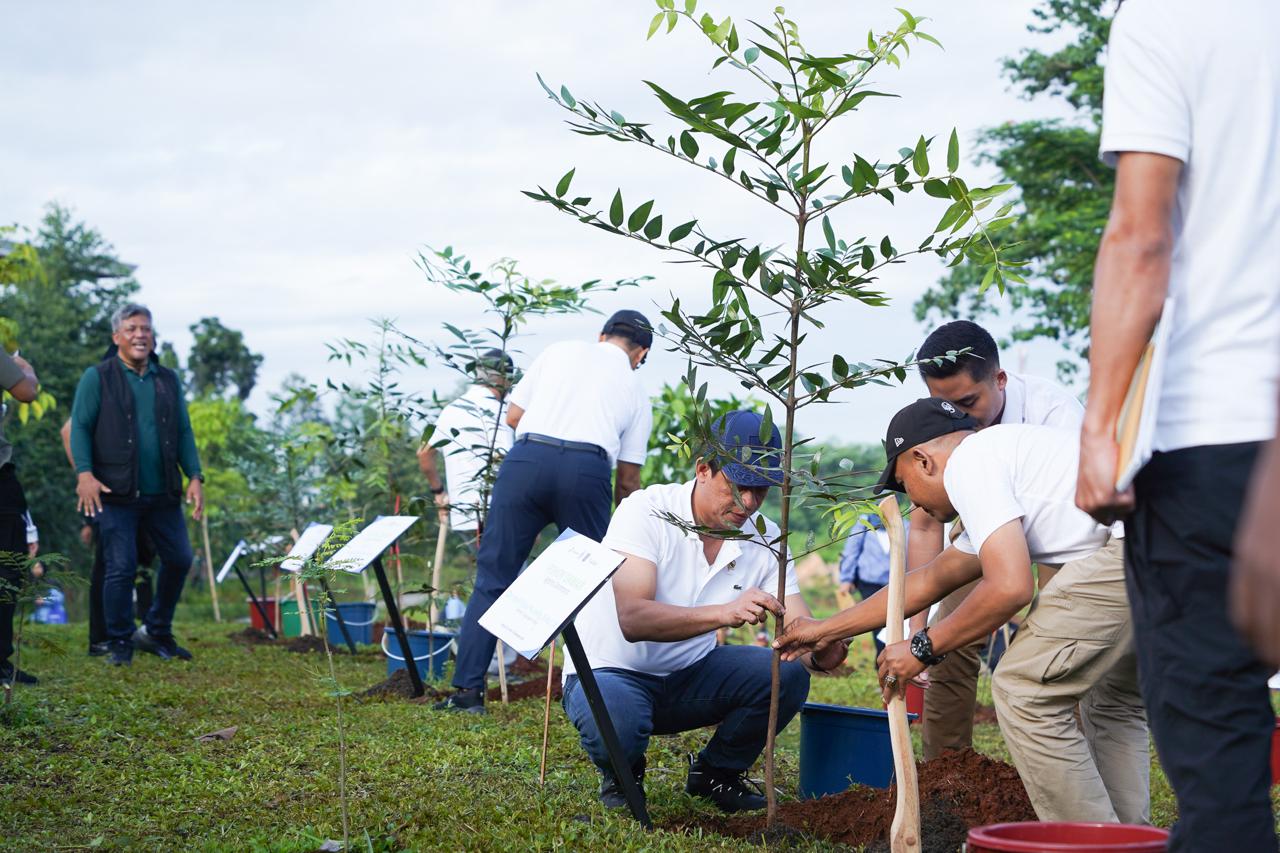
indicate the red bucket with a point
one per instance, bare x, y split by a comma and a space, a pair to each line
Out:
1064, 837
1275, 754
255, 618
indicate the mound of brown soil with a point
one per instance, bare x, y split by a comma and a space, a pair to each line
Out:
958, 790
250, 637
399, 686
529, 689
306, 644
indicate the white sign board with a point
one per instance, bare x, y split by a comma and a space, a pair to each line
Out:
549, 592
311, 539
366, 545
231, 561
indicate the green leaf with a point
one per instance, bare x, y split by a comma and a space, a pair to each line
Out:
920, 158
672, 17
690, 5
655, 23
639, 216
688, 144
936, 188
616, 210
681, 231
563, 186
953, 152
727, 165
829, 233
839, 366
654, 229
568, 99
750, 55
766, 425
720, 33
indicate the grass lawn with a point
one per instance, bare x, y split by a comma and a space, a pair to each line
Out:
96, 757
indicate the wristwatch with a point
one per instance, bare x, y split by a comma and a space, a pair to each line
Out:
439, 491
922, 648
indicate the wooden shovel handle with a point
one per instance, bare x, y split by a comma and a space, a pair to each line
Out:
904, 834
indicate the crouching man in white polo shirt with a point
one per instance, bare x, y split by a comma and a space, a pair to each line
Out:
1013, 486
651, 634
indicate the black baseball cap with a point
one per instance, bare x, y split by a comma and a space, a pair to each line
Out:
631, 325
924, 420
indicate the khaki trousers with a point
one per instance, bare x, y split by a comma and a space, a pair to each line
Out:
953, 689
1077, 647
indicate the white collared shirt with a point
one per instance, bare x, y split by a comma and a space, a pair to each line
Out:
472, 422
585, 391
1020, 471
684, 579
1032, 400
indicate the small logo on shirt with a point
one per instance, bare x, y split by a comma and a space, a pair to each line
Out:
947, 407
897, 442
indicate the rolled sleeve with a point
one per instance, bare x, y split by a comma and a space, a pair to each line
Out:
1144, 107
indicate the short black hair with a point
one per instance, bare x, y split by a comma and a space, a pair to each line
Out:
981, 360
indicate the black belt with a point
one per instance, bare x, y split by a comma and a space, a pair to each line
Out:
537, 438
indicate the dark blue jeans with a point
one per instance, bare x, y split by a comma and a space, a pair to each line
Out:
728, 688
118, 525
537, 485
1206, 693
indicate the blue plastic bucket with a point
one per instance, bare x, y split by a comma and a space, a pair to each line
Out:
430, 661
841, 746
358, 616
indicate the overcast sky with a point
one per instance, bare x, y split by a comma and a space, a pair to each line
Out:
279, 165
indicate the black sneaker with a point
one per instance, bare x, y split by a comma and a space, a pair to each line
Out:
121, 653
470, 700
730, 790
97, 650
8, 673
611, 789
163, 647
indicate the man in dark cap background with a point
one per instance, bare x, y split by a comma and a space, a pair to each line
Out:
651, 633
1013, 486
578, 412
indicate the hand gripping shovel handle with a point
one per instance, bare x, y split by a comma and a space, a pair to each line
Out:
904, 834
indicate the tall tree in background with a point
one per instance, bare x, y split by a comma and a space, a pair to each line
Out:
1065, 191
63, 306
220, 362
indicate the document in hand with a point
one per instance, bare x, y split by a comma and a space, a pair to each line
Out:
1136, 428
550, 592
310, 540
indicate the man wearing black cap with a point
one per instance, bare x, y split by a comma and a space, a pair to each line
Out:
651, 634
1013, 486
577, 412
474, 436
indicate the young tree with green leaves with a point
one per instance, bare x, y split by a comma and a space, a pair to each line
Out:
767, 298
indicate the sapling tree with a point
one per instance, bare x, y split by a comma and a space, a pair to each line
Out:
768, 298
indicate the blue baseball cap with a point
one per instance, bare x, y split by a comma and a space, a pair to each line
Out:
743, 457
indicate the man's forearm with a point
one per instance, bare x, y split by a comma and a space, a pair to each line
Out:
983, 611
644, 620
925, 542
923, 587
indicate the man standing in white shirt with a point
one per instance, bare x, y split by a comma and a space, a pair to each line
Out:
1191, 121
978, 386
577, 412
474, 436
651, 634
1013, 486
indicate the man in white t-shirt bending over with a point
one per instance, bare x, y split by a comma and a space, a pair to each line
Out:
651, 635
1191, 121
977, 385
578, 411
1013, 486
473, 434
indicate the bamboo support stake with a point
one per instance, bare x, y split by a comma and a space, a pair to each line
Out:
304, 611
904, 834
546, 712
502, 670
437, 567
208, 566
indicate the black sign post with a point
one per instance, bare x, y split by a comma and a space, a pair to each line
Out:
604, 724
393, 616
262, 611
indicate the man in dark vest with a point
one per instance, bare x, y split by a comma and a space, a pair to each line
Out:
132, 442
